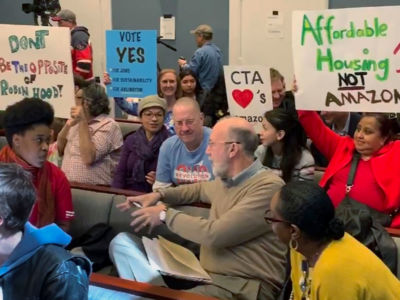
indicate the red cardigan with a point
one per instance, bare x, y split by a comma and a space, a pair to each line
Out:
385, 163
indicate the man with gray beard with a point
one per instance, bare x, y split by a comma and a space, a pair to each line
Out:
238, 249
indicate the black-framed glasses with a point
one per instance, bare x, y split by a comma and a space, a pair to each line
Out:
270, 219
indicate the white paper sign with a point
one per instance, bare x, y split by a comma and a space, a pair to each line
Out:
249, 92
35, 61
167, 28
275, 25
347, 59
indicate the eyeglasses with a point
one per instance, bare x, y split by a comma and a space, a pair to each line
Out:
150, 114
269, 219
211, 144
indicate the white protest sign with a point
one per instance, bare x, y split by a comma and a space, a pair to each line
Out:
248, 89
35, 62
347, 59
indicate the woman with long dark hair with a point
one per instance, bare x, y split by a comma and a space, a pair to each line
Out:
283, 147
189, 86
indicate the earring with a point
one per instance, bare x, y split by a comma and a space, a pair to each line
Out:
293, 244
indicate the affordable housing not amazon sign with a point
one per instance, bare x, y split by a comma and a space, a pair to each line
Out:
347, 59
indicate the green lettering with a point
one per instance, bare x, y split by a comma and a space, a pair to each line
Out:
384, 66
308, 28
328, 29
324, 59
380, 28
40, 41
13, 41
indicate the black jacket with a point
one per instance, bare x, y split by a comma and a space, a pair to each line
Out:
52, 273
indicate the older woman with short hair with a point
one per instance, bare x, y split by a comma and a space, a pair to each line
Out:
90, 141
326, 262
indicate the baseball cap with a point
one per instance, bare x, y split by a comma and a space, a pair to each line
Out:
152, 101
65, 15
203, 28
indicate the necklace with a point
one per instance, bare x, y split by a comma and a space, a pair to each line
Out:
305, 284
306, 280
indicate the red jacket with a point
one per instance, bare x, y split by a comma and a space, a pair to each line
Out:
385, 163
82, 53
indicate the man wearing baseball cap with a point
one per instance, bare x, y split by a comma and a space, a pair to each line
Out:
81, 48
206, 63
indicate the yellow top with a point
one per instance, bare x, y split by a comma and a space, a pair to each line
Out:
346, 270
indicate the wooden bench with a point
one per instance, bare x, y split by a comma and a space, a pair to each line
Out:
141, 289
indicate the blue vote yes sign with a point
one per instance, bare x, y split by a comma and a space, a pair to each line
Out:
131, 62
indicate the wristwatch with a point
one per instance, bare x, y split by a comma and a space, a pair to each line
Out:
163, 215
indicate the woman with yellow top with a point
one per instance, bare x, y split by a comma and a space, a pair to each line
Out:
326, 262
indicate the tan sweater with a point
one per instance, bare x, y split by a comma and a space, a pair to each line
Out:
235, 239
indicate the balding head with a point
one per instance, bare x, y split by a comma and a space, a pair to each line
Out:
231, 147
187, 102
188, 122
239, 130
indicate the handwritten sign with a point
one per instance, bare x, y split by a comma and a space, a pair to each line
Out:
347, 59
132, 62
36, 62
249, 92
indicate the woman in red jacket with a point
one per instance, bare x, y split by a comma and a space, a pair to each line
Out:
377, 179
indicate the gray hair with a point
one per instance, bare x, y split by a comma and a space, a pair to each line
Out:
247, 138
17, 196
97, 99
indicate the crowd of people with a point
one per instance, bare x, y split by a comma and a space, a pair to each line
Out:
269, 222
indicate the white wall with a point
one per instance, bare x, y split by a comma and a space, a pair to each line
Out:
96, 16
248, 40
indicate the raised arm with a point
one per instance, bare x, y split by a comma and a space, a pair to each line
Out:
62, 136
128, 107
321, 135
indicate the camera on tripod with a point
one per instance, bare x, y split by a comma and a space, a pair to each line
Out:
42, 8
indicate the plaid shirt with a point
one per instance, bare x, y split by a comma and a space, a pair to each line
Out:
107, 138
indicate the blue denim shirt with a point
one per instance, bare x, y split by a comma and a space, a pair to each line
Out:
206, 63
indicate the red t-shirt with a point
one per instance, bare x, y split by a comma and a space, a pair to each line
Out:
365, 188
62, 194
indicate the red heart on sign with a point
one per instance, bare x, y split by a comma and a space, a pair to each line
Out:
242, 98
